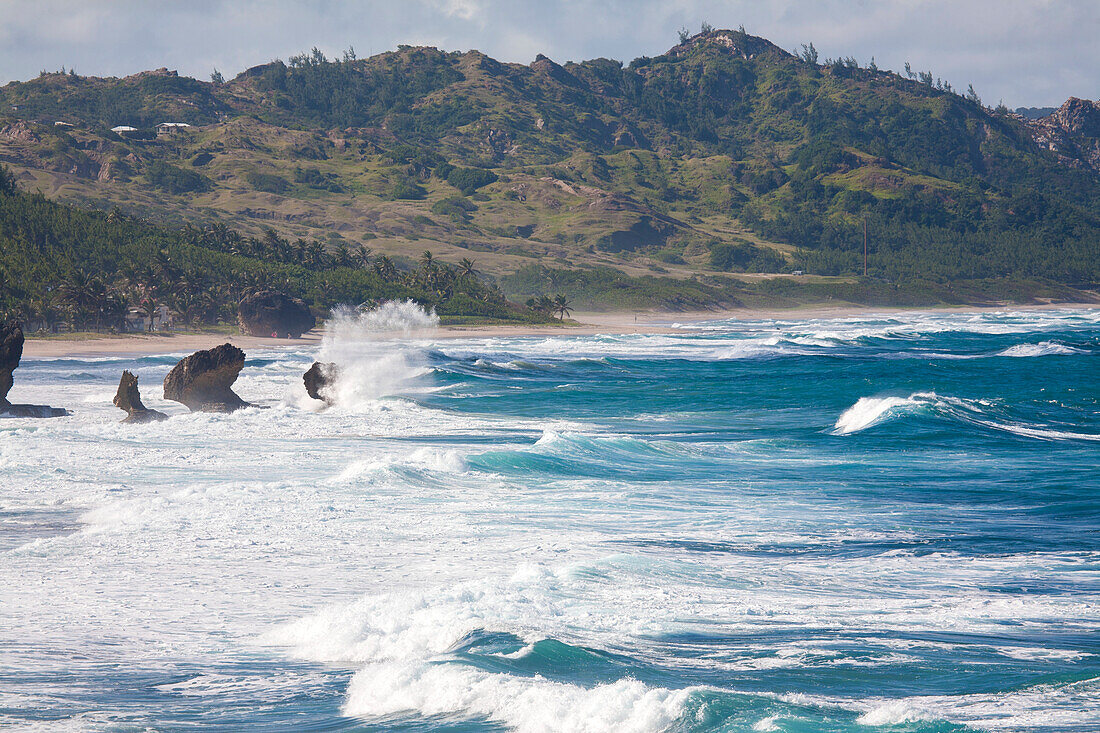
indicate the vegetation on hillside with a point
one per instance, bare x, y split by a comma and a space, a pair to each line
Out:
88, 269
726, 154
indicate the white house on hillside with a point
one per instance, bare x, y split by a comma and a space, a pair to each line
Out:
169, 128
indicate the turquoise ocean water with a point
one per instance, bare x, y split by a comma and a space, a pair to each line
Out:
877, 523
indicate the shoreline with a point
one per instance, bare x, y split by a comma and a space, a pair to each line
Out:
587, 324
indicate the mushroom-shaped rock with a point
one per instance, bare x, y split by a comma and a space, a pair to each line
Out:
11, 351
319, 380
202, 381
270, 313
128, 398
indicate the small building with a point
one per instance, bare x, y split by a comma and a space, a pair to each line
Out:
59, 123
171, 128
123, 129
137, 319
797, 273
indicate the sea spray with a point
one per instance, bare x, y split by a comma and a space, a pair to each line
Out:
369, 363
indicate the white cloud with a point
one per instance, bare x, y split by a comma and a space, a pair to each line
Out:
463, 9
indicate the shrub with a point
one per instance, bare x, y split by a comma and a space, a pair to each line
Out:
456, 207
173, 179
267, 182
408, 190
468, 180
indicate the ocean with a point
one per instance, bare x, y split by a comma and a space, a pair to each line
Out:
850, 524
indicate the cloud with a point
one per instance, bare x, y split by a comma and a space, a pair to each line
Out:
464, 9
1033, 52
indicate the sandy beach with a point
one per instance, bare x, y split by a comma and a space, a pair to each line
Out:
586, 323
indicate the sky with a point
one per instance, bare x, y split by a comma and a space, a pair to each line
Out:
1022, 52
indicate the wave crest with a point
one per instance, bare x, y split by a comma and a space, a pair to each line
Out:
870, 411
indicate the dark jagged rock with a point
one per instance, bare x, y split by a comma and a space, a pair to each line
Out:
270, 313
128, 398
203, 380
32, 411
11, 351
319, 380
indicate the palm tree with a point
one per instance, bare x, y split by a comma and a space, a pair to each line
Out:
467, 267
385, 268
361, 255
315, 254
541, 304
561, 306
427, 260
342, 256
84, 294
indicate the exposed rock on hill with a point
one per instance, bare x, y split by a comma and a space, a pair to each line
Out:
270, 313
11, 351
1072, 131
128, 398
319, 380
203, 380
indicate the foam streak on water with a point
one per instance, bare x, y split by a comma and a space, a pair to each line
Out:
874, 523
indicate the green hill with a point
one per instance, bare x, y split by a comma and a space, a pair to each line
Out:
726, 155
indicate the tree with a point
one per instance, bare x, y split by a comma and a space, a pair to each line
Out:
216, 77
561, 306
809, 54
385, 268
706, 28
7, 181
467, 267
684, 34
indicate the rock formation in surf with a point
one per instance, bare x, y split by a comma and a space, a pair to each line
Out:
203, 380
11, 351
270, 313
128, 398
320, 379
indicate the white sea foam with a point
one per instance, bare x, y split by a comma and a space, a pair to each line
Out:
443, 461
894, 712
1043, 348
524, 704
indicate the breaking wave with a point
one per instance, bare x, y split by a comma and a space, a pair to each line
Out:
1043, 348
370, 363
870, 411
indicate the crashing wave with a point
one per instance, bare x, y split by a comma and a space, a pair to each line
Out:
1043, 348
870, 411
370, 364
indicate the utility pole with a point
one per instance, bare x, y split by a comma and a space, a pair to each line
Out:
865, 246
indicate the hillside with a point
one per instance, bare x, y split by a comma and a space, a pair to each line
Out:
60, 264
726, 154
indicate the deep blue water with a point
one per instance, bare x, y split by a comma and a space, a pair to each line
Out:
878, 523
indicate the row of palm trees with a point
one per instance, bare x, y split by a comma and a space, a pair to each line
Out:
310, 254
557, 306
93, 302
89, 302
